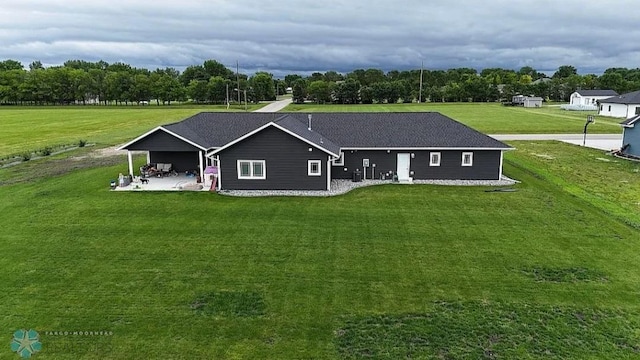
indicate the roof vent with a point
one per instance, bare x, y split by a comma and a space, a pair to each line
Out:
309, 122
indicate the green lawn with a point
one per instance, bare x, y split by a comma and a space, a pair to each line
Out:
25, 129
606, 182
33, 128
491, 118
384, 272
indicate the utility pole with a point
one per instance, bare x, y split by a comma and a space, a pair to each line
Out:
238, 79
420, 93
245, 99
227, 96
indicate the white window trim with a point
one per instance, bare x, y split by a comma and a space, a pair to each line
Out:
339, 161
431, 162
251, 164
470, 158
319, 163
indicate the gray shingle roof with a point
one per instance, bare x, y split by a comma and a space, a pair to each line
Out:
630, 121
295, 126
628, 98
346, 130
597, 92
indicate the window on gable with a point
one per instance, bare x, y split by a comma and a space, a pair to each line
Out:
252, 169
467, 159
434, 159
314, 168
339, 161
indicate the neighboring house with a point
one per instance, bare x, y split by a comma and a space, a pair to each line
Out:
631, 137
532, 101
526, 101
590, 97
623, 106
294, 151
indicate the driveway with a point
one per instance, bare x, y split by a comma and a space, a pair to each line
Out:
596, 141
274, 106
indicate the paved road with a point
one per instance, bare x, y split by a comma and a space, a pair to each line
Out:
596, 141
275, 106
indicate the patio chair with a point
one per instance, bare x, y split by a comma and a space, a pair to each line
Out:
164, 168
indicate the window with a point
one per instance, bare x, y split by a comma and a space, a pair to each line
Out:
339, 161
467, 159
638, 110
252, 169
609, 108
601, 106
314, 168
434, 159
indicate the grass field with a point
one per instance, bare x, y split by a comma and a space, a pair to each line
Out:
491, 118
34, 128
384, 272
606, 182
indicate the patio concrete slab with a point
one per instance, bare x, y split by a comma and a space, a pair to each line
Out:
180, 182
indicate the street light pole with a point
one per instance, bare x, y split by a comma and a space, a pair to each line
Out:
245, 99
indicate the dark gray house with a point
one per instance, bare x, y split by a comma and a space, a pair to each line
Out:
631, 137
295, 151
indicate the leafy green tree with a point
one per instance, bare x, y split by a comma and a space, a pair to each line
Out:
565, 71
347, 92
141, 88
194, 72
263, 86
9, 64
198, 90
366, 95
332, 76
213, 68
319, 91
218, 89
299, 89
290, 79
10, 82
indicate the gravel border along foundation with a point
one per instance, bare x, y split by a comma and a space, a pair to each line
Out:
339, 187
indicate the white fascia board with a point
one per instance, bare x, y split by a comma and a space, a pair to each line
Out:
122, 147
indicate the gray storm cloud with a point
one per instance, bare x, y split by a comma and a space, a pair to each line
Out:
304, 36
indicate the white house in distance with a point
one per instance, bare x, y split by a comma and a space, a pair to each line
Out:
590, 97
622, 106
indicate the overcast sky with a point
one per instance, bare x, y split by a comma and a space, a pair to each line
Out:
304, 36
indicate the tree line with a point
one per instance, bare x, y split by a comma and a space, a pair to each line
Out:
83, 82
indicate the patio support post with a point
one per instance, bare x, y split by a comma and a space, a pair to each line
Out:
201, 166
130, 158
329, 173
148, 157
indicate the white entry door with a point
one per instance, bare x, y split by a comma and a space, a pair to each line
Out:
404, 163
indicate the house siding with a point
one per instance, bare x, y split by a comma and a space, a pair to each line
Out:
286, 159
161, 141
486, 164
618, 110
632, 137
